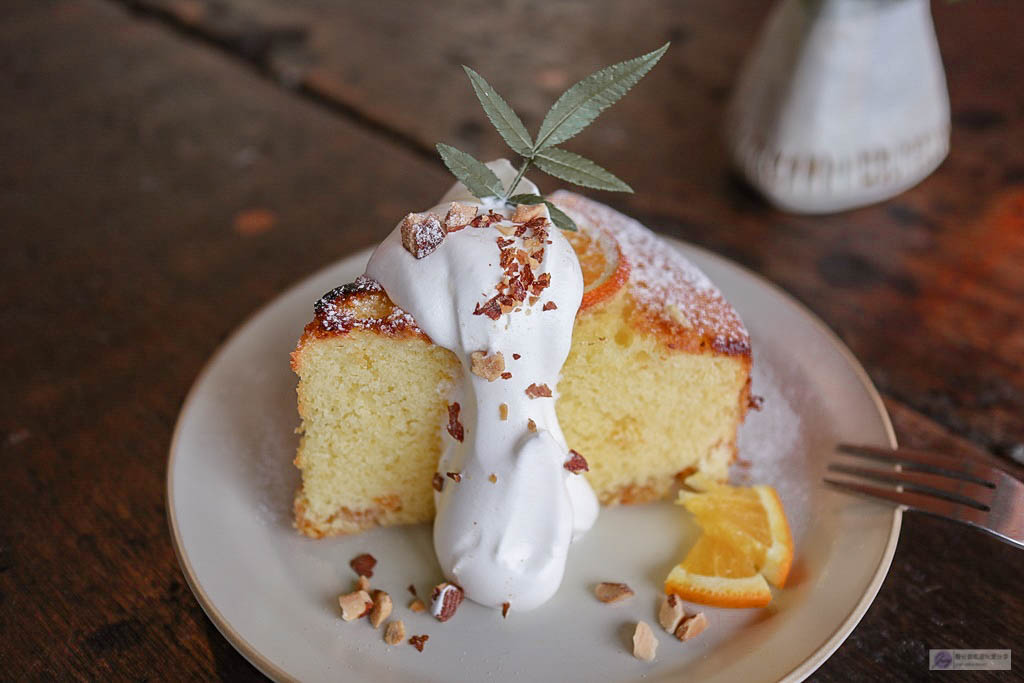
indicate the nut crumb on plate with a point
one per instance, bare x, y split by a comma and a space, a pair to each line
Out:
418, 641
381, 609
355, 605
445, 599
644, 642
363, 584
671, 613
394, 632
363, 564
612, 592
417, 605
691, 627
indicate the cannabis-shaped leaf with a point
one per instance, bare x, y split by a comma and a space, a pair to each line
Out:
572, 112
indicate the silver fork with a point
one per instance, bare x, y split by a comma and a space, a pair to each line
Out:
982, 496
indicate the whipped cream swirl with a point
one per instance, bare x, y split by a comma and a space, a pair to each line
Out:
503, 530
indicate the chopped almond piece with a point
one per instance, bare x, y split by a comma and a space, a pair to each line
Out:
503, 411
489, 367
394, 632
671, 613
454, 476
493, 478
507, 230
612, 592
644, 642
418, 641
504, 609
455, 428
516, 356
355, 605
531, 425
445, 599
438, 482
576, 463
421, 234
691, 627
363, 564
538, 391
506, 375
458, 216
526, 212
549, 306
381, 609
417, 605
363, 584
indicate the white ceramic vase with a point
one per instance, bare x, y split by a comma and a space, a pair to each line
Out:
842, 103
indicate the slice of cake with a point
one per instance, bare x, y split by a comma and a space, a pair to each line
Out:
655, 386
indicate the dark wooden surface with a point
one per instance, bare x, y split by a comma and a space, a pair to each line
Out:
166, 167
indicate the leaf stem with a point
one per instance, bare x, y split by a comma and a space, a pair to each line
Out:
519, 176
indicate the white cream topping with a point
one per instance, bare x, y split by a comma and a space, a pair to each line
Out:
502, 538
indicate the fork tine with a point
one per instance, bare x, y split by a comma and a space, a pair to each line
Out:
924, 461
939, 485
917, 501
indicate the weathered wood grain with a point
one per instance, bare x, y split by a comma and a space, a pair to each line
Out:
155, 191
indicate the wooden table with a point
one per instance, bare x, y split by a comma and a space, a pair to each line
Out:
168, 166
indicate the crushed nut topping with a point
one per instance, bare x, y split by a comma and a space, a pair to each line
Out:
355, 605
458, 216
454, 426
418, 641
503, 411
644, 642
363, 564
489, 367
412, 589
531, 425
518, 266
381, 609
493, 478
445, 599
363, 584
612, 592
671, 613
454, 476
755, 402
417, 606
526, 212
516, 356
691, 627
576, 463
506, 375
504, 609
549, 306
438, 484
538, 391
394, 632
422, 234
484, 220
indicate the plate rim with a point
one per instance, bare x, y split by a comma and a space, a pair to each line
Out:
274, 672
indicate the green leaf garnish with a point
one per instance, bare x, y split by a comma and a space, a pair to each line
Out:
558, 217
477, 178
504, 120
578, 170
582, 103
572, 112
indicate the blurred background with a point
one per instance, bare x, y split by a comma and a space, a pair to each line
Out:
168, 166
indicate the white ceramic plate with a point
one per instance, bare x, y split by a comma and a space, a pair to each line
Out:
273, 593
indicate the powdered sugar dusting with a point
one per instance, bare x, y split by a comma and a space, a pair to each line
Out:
663, 283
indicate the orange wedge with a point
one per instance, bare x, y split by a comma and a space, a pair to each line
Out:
745, 544
605, 270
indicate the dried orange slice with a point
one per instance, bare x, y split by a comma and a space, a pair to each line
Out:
745, 544
605, 270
